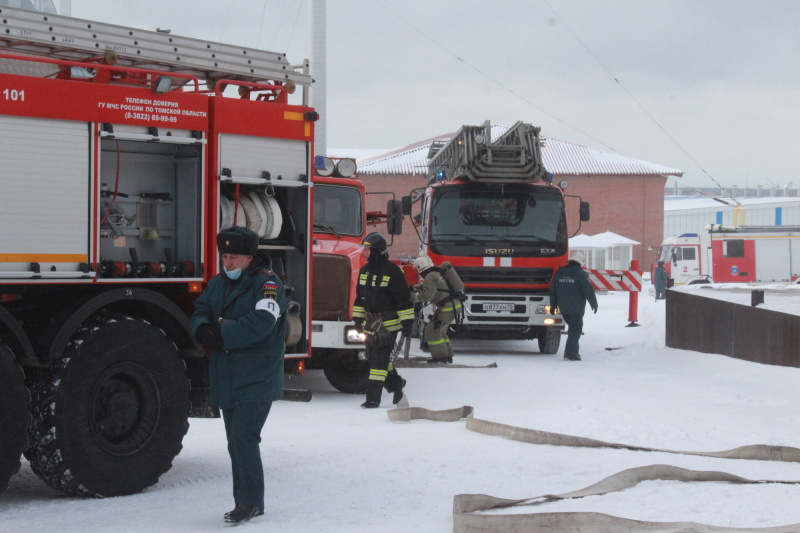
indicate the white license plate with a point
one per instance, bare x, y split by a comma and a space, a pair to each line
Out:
498, 307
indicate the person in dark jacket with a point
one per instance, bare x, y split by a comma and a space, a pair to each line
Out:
240, 318
570, 291
382, 308
660, 281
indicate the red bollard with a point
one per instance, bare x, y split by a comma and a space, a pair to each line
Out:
633, 302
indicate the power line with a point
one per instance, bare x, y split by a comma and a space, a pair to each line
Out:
630, 95
490, 78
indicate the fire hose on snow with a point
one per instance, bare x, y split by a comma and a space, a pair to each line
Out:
467, 508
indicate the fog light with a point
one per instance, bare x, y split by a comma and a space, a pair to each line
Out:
353, 336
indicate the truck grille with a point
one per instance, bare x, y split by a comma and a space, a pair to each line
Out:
331, 300
532, 276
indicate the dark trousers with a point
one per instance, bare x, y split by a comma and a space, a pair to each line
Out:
575, 325
243, 425
381, 372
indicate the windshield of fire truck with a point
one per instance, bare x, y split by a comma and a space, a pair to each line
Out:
665, 253
500, 214
338, 210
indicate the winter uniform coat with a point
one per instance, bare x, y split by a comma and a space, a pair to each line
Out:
571, 289
382, 289
251, 370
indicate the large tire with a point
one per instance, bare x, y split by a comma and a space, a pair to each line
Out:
346, 372
15, 419
110, 415
549, 340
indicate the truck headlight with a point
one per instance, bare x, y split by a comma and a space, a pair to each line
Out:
353, 336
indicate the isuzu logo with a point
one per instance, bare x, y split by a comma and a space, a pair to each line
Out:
499, 251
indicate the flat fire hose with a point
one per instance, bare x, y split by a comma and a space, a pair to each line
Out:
467, 507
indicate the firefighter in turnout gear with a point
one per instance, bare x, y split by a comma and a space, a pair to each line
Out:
436, 290
381, 309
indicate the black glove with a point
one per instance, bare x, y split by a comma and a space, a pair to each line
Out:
359, 323
594, 309
406, 331
210, 336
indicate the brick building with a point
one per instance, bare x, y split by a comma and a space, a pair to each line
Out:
627, 195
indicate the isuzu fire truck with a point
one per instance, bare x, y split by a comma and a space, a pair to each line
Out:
122, 156
733, 254
490, 209
340, 224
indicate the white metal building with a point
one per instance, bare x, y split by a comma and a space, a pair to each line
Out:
690, 215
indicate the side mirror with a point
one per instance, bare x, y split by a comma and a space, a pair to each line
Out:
406, 205
584, 211
394, 217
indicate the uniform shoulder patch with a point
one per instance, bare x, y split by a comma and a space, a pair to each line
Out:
270, 289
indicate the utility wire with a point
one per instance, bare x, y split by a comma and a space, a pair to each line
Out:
630, 95
490, 78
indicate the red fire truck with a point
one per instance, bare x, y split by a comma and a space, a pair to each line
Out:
733, 254
490, 209
340, 224
122, 156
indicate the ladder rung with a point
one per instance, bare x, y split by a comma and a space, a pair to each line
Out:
61, 37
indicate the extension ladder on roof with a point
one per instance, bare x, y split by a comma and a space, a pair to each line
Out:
54, 36
514, 157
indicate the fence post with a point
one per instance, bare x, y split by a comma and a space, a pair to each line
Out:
633, 301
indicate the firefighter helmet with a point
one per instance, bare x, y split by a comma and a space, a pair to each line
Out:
422, 263
375, 241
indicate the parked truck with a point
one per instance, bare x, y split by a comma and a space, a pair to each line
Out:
733, 254
490, 209
123, 154
341, 222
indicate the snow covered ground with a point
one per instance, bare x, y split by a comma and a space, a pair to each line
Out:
333, 467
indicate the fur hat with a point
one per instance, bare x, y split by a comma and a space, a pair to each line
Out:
237, 240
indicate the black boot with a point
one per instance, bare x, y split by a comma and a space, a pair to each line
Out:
374, 391
398, 393
243, 513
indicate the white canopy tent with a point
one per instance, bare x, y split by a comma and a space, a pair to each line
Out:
604, 251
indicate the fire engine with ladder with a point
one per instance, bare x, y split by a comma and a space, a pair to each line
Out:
123, 154
490, 209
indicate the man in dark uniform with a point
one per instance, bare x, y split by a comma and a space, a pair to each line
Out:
570, 291
660, 281
381, 309
240, 318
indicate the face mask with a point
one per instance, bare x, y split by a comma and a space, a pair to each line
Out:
233, 274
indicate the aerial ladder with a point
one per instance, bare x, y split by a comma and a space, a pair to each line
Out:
51, 36
514, 157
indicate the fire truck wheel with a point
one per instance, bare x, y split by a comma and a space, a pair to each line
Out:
346, 372
110, 415
549, 340
15, 418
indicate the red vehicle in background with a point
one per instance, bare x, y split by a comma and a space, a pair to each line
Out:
340, 224
490, 209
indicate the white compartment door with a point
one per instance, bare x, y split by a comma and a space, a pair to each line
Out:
44, 196
773, 259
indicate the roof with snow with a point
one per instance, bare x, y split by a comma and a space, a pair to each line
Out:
560, 157
607, 239
675, 203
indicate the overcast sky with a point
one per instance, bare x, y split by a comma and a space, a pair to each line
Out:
697, 85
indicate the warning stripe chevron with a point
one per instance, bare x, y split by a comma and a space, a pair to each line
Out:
616, 280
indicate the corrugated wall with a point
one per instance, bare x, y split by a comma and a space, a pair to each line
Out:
709, 325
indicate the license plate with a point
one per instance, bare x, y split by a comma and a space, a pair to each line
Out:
498, 307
